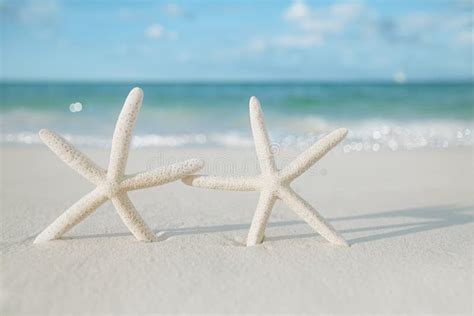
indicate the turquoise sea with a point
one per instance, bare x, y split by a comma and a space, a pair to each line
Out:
380, 116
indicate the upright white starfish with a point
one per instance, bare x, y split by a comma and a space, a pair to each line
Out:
111, 183
274, 184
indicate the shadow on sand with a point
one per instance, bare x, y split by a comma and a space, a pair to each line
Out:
430, 218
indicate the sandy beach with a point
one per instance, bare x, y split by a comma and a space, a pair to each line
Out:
383, 91
407, 215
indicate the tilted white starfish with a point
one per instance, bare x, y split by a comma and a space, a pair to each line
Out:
111, 183
274, 184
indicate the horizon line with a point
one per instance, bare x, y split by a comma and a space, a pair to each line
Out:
237, 81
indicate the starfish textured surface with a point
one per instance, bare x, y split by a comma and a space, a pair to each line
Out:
111, 183
274, 184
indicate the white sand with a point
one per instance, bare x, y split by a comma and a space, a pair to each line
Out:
408, 215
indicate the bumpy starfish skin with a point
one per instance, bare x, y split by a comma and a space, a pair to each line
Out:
274, 184
111, 184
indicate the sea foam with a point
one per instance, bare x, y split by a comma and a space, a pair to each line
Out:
363, 136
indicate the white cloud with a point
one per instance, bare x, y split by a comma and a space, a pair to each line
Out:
415, 22
315, 25
41, 18
465, 37
298, 40
424, 28
175, 11
154, 31
348, 11
309, 27
172, 9
37, 11
257, 45
319, 23
297, 10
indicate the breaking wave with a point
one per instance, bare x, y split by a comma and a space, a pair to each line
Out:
362, 136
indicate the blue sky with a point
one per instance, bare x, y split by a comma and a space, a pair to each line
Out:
236, 40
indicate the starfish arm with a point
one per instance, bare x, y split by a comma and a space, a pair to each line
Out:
310, 215
162, 175
132, 219
123, 134
260, 135
259, 222
310, 156
72, 216
72, 156
223, 183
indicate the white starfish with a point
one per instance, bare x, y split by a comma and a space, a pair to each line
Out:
111, 183
274, 184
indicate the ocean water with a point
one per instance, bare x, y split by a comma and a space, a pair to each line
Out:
380, 116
